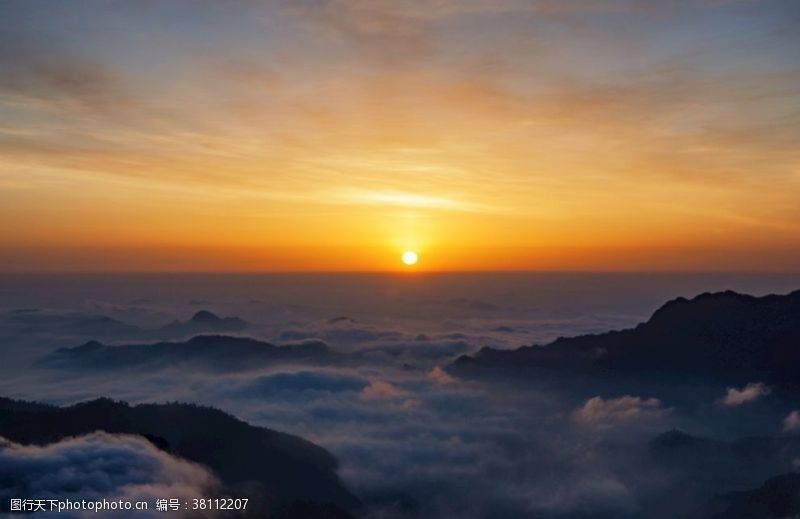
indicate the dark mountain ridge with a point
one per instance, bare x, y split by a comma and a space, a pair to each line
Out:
98, 326
777, 498
212, 351
700, 477
277, 469
202, 322
725, 334
680, 449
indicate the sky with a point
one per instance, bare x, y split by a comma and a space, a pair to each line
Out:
335, 135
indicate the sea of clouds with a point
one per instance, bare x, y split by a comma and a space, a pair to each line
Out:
413, 438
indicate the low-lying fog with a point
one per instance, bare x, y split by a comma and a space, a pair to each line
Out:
413, 438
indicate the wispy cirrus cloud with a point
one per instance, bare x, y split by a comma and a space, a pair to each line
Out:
405, 199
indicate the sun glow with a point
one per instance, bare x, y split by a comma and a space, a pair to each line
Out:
381, 132
410, 257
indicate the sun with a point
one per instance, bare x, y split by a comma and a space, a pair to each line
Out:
410, 257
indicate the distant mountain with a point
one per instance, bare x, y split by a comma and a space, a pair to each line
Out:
210, 351
677, 474
75, 324
699, 470
202, 322
777, 498
740, 457
726, 334
72, 324
279, 471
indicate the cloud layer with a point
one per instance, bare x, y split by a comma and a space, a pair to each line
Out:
413, 438
99, 466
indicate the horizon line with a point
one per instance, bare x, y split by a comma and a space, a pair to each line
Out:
397, 272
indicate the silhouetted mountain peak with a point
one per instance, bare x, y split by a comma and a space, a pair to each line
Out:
211, 339
204, 316
284, 467
732, 336
203, 321
725, 301
86, 348
777, 498
101, 403
707, 301
210, 350
676, 438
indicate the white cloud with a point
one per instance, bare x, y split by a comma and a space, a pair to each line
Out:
792, 422
617, 411
380, 390
749, 393
439, 376
97, 466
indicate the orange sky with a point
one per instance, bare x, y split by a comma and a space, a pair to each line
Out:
486, 136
